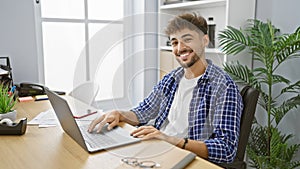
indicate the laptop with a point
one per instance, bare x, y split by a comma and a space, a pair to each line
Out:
91, 142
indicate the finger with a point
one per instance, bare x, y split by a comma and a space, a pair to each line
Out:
100, 126
112, 121
142, 131
111, 118
149, 136
156, 134
137, 130
95, 122
112, 124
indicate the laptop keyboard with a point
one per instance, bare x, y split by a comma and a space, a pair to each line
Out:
97, 139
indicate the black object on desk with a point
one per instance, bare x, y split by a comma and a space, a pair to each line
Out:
14, 129
31, 89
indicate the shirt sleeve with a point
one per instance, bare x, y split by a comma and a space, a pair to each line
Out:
146, 110
149, 107
222, 146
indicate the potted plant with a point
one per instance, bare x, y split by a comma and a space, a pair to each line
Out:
268, 147
7, 103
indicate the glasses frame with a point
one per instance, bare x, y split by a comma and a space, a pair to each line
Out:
132, 161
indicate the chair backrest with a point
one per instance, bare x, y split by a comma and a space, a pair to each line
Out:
85, 92
250, 97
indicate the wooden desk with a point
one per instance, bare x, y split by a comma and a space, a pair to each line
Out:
51, 148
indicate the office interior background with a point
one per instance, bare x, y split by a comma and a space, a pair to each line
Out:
20, 39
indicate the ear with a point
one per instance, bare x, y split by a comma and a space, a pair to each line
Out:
205, 40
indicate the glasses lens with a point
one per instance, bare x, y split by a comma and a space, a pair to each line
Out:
147, 164
130, 161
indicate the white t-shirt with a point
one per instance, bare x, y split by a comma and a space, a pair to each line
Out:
177, 121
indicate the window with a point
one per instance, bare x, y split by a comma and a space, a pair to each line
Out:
83, 40
113, 43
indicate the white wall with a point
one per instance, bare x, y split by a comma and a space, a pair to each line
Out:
285, 16
18, 40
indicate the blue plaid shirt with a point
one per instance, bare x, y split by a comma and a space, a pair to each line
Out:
214, 111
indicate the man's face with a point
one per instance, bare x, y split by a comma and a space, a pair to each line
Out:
188, 46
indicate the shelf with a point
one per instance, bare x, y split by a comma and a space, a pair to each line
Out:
207, 50
194, 4
224, 12
168, 48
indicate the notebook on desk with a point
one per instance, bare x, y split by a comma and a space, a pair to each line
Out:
91, 142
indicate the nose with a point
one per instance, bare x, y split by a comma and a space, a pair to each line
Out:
181, 46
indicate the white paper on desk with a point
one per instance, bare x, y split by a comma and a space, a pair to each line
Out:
45, 119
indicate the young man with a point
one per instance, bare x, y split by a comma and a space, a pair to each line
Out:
196, 107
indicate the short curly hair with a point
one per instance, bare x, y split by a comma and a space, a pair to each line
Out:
191, 21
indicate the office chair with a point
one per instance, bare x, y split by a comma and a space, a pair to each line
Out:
250, 97
85, 92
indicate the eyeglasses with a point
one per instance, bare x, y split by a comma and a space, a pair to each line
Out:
142, 164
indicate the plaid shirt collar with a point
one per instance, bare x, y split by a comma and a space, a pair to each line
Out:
208, 74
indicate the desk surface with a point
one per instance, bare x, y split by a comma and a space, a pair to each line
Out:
52, 148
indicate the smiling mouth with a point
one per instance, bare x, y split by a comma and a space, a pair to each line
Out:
184, 55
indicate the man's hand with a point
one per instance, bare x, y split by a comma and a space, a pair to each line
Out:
148, 132
112, 118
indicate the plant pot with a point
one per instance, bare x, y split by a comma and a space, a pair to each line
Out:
11, 115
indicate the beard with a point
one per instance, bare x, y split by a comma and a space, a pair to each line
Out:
193, 60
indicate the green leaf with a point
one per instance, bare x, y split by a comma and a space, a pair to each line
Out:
287, 46
293, 88
240, 73
6, 102
232, 40
281, 154
280, 79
